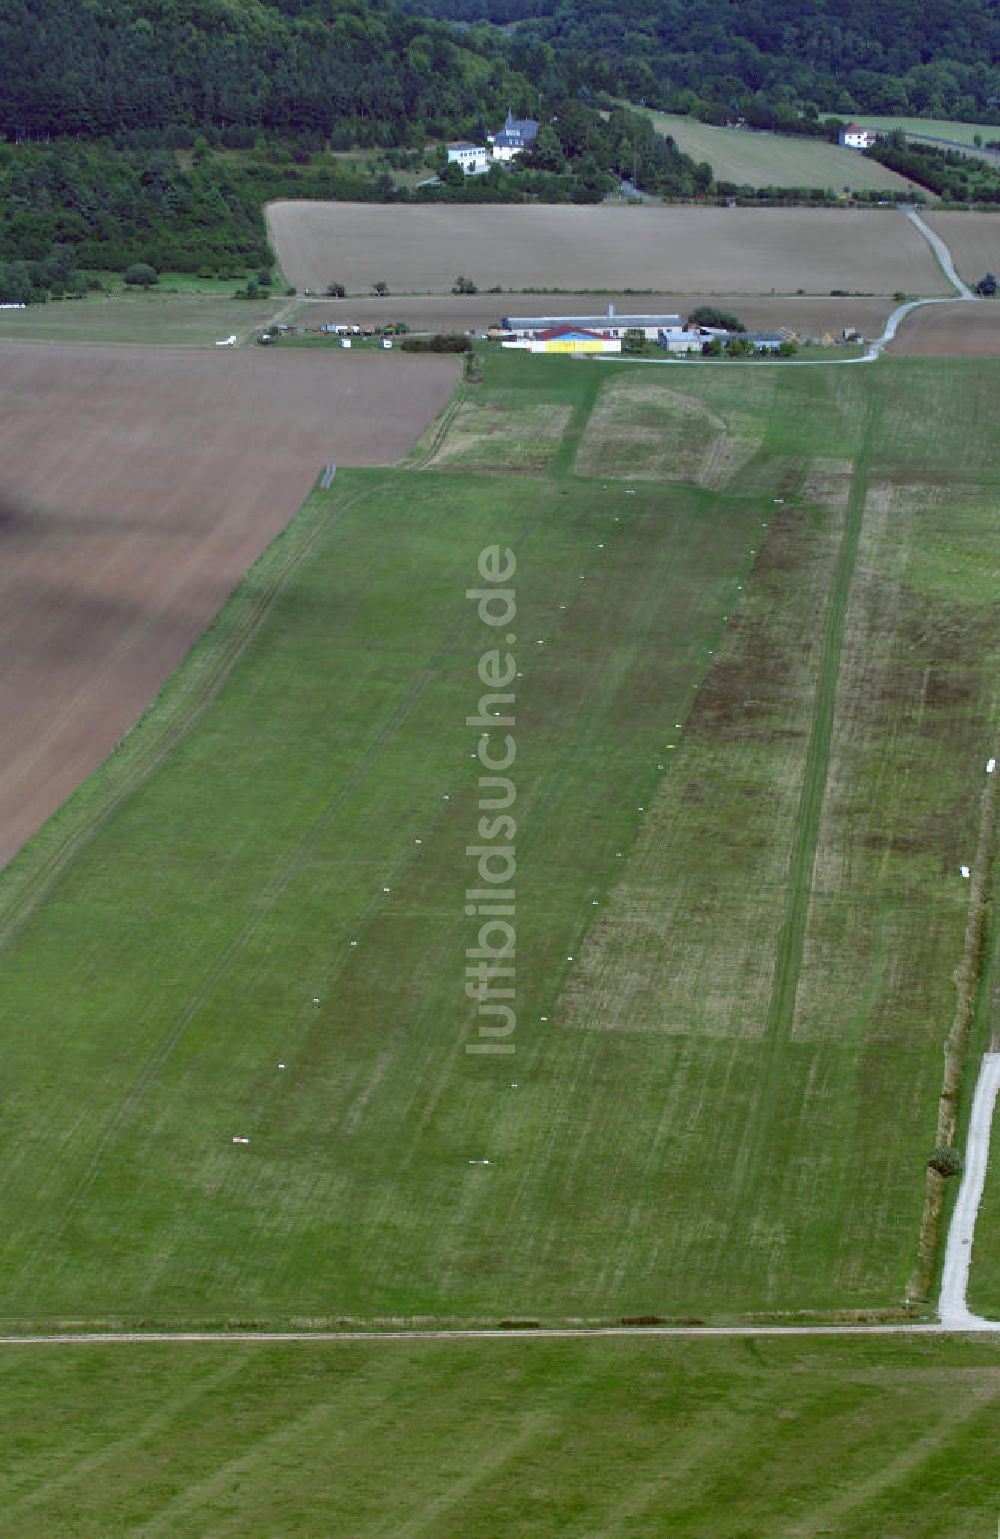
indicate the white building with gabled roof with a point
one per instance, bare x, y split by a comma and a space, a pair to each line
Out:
853, 137
516, 135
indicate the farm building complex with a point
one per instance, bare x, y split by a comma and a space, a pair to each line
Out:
609, 324
606, 333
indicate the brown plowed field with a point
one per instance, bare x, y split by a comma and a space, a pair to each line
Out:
973, 239
135, 490
446, 312
421, 249
960, 330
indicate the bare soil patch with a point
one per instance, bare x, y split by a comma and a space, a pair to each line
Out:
135, 491
972, 238
687, 250
960, 330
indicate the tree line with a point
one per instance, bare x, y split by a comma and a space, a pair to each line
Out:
847, 56
75, 67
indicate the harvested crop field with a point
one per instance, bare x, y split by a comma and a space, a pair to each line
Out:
974, 241
135, 492
960, 330
778, 160
686, 250
808, 315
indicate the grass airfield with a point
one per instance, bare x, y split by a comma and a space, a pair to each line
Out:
737, 927
742, 930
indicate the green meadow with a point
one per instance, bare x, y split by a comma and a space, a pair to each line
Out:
756, 682
633, 1439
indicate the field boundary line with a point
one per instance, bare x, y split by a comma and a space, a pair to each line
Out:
473, 1333
168, 719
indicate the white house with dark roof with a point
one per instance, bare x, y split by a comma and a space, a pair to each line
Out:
516, 135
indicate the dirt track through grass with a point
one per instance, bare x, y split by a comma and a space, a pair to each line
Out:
803, 854
766, 1099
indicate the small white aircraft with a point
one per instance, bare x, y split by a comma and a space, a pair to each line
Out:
228, 342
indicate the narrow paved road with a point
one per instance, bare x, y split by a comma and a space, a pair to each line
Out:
953, 1306
942, 253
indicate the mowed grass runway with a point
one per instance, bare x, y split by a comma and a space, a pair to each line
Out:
741, 930
444, 1440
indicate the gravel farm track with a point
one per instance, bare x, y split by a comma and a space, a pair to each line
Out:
136, 489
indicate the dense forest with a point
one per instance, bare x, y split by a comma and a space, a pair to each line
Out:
95, 67
886, 56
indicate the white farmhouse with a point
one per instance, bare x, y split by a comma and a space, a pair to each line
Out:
473, 158
853, 137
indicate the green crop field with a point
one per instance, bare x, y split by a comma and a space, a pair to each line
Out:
777, 160
149, 319
642, 1439
757, 679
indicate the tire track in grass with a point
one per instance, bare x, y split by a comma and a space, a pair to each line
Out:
856, 1498
565, 456
147, 1430
802, 858
422, 457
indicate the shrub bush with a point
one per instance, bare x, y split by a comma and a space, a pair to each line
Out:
946, 1161
140, 275
442, 342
